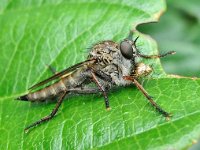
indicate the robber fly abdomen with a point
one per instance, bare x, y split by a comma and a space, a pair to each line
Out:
67, 82
46, 93
49, 91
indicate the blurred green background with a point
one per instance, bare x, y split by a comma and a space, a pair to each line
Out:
179, 30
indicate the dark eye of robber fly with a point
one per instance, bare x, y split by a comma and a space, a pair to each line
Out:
126, 49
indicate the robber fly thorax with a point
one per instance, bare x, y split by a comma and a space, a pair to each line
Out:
109, 64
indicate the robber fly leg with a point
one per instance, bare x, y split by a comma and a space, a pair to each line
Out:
153, 103
102, 89
156, 56
50, 116
102, 75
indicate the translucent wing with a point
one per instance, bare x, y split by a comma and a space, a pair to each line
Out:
63, 73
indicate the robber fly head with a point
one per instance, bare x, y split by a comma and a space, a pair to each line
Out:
128, 48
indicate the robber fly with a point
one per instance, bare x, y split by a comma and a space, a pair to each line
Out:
108, 64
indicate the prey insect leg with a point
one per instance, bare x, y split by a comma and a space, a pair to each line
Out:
153, 103
50, 116
101, 88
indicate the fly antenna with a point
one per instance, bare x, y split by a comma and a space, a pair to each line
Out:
136, 40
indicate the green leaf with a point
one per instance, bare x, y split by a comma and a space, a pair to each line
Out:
34, 34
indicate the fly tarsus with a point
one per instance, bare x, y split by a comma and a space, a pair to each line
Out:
158, 108
50, 116
38, 122
153, 103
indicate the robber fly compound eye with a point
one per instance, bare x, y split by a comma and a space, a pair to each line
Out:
126, 49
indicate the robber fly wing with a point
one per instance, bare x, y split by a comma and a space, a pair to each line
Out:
64, 73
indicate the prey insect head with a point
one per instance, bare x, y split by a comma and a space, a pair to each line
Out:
128, 48
143, 70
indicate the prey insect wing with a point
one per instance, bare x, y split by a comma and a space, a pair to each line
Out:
63, 73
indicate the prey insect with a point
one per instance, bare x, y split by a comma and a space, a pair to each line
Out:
109, 64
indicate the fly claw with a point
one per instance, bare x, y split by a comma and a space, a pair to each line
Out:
109, 64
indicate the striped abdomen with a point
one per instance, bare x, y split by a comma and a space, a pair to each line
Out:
70, 81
